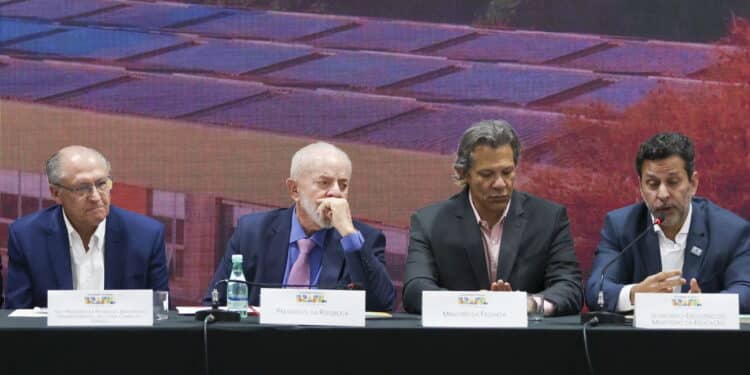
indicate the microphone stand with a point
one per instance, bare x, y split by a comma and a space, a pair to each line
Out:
215, 314
602, 316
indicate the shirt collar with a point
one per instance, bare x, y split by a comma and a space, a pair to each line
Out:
297, 233
98, 233
479, 218
685, 226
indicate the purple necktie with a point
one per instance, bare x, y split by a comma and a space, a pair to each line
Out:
300, 272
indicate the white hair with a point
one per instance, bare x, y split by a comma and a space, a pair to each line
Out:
53, 165
304, 157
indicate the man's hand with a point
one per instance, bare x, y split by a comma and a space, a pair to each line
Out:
694, 288
501, 286
337, 211
662, 282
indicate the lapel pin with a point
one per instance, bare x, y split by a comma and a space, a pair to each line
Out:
697, 251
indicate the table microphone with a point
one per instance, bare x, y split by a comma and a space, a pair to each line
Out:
219, 315
606, 317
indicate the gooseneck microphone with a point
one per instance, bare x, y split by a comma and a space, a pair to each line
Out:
219, 315
605, 317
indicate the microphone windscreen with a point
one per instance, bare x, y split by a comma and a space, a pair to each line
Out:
658, 219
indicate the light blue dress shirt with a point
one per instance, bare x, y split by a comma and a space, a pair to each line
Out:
350, 243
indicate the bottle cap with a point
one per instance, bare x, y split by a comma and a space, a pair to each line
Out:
236, 258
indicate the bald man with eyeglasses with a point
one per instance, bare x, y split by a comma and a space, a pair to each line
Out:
82, 242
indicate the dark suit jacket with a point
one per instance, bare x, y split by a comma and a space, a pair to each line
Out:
39, 255
536, 252
263, 241
723, 265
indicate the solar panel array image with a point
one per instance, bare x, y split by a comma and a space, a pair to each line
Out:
436, 129
85, 43
649, 58
166, 97
624, 92
267, 26
510, 84
151, 15
395, 84
224, 57
28, 80
393, 36
56, 9
14, 30
515, 46
368, 70
311, 114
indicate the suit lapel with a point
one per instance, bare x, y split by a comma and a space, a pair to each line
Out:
469, 229
115, 252
277, 238
333, 260
695, 246
515, 222
58, 246
650, 254
648, 246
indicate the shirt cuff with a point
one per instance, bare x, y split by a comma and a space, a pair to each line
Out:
352, 242
549, 308
623, 303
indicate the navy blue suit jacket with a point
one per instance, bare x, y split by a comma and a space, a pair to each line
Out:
263, 241
39, 255
721, 265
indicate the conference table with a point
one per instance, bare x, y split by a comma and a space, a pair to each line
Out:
395, 345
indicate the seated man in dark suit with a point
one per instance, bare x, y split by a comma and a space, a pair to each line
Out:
82, 242
343, 251
489, 236
698, 247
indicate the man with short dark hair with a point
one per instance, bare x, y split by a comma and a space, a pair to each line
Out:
698, 246
82, 242
490, 236
314, 242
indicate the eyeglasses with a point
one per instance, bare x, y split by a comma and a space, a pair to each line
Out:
84, 190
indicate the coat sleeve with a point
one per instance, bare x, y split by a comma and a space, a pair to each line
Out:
421, 270
18, 289
367, 267
157, 266
617, 276
562, 280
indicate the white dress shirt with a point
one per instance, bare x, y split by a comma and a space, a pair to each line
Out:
672, 257
87, 266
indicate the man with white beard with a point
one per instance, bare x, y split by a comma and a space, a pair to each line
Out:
314, 242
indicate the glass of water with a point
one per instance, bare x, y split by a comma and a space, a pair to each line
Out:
535, 307
161, 304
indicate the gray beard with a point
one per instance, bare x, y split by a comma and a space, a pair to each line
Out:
311, 210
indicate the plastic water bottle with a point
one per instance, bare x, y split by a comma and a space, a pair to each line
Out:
237, 292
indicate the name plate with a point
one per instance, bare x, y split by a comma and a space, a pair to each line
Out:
474, 309
312, 307
91, 308
687, 311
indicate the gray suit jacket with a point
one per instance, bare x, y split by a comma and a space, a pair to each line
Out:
536, 252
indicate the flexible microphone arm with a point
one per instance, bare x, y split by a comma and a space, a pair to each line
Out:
603, 316
600, 294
